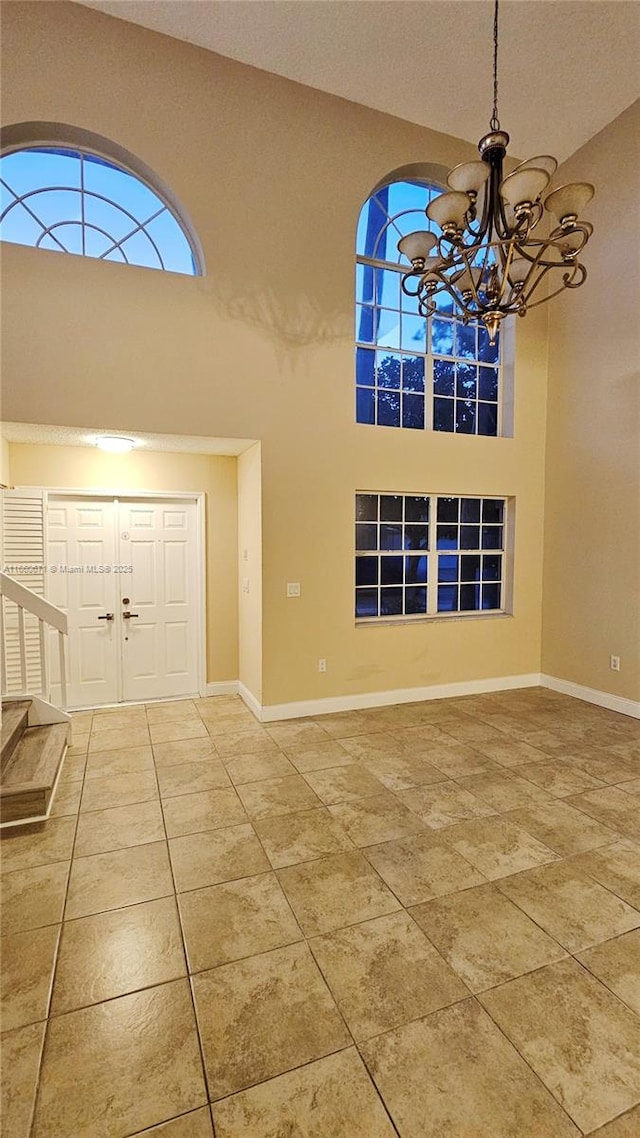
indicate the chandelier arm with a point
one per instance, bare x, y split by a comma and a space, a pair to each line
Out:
567, 282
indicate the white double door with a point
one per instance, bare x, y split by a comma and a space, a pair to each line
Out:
126, 572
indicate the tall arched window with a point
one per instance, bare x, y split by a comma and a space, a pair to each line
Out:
413, 372
68, 199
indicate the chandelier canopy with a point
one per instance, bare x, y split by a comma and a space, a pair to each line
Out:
487, 256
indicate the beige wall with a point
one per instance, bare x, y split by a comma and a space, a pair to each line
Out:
592, 510
81, 468
5, 467
273, 176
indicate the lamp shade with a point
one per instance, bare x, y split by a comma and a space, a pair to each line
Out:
567, 201
518, 270
468, 177
524, 185
542, 162
449, 209
417, 245
468, 280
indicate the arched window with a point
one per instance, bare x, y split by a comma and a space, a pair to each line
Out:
412, 372
68, 199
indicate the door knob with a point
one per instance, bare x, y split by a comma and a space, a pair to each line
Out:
108, 616
129, 615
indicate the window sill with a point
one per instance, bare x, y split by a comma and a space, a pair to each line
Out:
431, 618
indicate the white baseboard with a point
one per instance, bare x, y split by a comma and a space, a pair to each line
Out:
222, 687
385, 698
592, 695
251, 701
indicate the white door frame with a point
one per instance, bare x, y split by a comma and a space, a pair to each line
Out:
197, 496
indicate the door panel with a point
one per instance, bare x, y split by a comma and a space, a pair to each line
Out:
80, 555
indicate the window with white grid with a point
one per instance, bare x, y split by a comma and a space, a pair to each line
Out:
421, 555
412, 372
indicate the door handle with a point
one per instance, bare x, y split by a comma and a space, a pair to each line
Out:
108, 616
128, 615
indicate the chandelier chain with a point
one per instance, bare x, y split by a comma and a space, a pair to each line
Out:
494, 122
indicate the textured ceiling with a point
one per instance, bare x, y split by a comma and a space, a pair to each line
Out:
86, 437
567, 67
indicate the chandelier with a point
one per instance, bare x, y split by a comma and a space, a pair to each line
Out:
488, 256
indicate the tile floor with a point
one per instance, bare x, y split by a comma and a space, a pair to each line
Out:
420, 921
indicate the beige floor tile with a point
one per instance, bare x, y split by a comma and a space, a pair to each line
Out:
335, 891
444, 804
209, 810
632, 787
303, 836
66, 800
102, 830
175, 729
497, 847
607, 768
119, 790
34, 897
174, 709
613, 807
297, 734
190, 778
122, 877
484, 937
73, 767
422, 867
331, 1098
195, 1124
383, 973
342, 784
28, 960
456, 760
250, 741
549, 742
454, 1075
272, 797
216, 855
617, 867
573, 908
116, 740
504, 791
474, 732
183, 751
563, 828
627, 1125
119, 720
401, 771
379, 819
252, 768
344, 724
21, 1050
559, 777
261, 1017
617, 964
580, 1039
510, 752
24, 847
379, 743
79, 744
111, 954
120, 1066
318, 756
128, 760
236, 919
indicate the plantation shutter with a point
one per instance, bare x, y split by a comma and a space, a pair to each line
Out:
23, 538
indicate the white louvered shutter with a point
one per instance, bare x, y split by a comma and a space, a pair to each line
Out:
23, 536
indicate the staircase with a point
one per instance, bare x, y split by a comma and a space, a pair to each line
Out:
31, 761
35, 733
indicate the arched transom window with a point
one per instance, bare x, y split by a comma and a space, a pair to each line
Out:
74, 201
412, 372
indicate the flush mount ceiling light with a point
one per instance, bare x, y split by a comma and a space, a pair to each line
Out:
486, 255
115, 444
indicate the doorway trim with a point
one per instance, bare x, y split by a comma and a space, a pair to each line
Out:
197, 496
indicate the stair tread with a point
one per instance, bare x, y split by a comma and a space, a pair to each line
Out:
14, 720
36, 759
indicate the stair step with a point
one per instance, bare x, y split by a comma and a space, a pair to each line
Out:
28, 781
15, 714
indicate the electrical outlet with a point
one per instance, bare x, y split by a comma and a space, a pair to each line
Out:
614, 663
293, 588
322, 665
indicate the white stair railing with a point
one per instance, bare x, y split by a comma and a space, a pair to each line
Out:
48, 616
